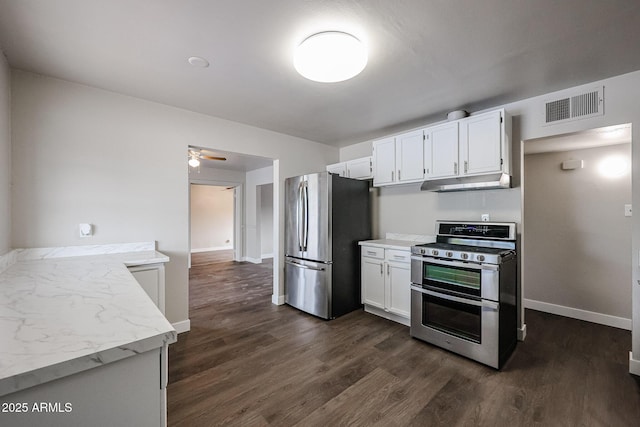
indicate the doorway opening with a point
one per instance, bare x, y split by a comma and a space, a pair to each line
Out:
577, 225
231, 210
212, 222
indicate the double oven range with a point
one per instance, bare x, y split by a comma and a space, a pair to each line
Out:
463, 290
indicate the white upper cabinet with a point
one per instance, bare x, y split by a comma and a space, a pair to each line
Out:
398, 160
358, 168
481, 143
443, 142
338, 168
384, 161
409, 157
475, 145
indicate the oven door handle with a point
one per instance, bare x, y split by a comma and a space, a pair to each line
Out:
484, 303
461, 264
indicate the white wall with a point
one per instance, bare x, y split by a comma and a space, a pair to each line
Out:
5, 155
217, 176
266, 219
255, 179
211, 218
621, 106
82, 154
578, 241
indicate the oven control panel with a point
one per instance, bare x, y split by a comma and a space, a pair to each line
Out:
495, 257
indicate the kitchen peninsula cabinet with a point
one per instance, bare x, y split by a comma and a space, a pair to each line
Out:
85, 343
151, 279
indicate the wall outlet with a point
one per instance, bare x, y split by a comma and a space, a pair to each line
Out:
85, 230
485, 217
627, 210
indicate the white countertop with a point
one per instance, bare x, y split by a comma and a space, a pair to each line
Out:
390, 244
63, 315
399, 241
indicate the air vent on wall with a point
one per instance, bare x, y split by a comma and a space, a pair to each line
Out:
574, 105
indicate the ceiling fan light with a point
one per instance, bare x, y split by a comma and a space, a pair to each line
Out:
194, 162
330, 56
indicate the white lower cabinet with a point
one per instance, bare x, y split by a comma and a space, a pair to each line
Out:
151, 279
127, 392
386, 279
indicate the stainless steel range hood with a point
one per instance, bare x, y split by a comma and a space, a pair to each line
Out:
478, 182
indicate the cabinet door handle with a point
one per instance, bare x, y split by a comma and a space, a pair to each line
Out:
399, 176
392, 175
455, 168
466, 166
388, 273
381, 269
348, 173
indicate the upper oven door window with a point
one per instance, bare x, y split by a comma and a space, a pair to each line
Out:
453, 278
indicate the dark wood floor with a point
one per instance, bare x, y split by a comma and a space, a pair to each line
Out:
248, 362
200, 259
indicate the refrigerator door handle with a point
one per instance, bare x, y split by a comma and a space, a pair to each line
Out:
297, 264
306, 216
300, 217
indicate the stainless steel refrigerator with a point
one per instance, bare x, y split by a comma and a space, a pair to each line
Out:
325, 217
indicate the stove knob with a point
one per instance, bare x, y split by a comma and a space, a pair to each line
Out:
450, 254
480, 258
422, 251
434, 252
464, 256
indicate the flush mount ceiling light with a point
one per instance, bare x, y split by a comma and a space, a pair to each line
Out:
198, 61
330, 56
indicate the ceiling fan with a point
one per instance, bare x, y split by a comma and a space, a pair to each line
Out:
196, 155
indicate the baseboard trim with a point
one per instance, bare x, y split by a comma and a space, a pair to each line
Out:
182, 326
253, 260
211, 249
634, 365
277, 299
576, 313
266, 256
522, 332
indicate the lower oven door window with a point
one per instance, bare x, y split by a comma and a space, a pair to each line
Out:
452, 317
459, 279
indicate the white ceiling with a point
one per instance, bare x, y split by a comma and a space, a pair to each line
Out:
425, 57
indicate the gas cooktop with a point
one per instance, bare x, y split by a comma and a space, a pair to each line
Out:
489, 243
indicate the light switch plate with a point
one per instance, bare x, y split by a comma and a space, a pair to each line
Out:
485, 217
627, 210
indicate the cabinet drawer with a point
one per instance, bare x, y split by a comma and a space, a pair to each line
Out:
398, 256
372, 252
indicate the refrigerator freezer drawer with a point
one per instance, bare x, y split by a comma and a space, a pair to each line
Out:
308, 286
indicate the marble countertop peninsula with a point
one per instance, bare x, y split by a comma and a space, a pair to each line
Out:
63, 311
